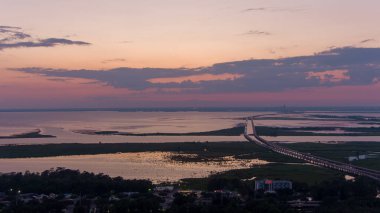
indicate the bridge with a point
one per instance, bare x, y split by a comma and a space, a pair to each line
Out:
315, 160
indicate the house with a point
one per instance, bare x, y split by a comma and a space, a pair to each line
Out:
358, 157
304, 206
272, 185
128, 194
164, 189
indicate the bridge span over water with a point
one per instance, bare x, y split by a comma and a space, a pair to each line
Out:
315, 160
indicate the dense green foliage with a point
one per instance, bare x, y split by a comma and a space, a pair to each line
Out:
51, 206
310, 175
63, 180
143, 203
234, 131
341, 152
213, 150
316, 131
261, 130
204, 151
335, 195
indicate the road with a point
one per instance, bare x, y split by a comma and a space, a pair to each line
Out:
319, 161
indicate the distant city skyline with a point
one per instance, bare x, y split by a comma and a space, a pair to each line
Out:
211, 53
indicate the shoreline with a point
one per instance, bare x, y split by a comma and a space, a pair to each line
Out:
265, 131
32, 134
242, 147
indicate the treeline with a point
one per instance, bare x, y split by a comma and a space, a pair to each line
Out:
347, 196
349, 117
45, 150
34, 134
63, 180
233, 131
314, 131
335, 195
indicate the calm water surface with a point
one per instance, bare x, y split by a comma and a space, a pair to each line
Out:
64, 124
154, 166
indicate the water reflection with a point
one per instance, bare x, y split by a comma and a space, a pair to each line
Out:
156, 166
63, 125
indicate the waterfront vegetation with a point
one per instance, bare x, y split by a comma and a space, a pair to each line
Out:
341, 152
334, 195
261, 130
63, 180
33, 134
88, 190
317, 131
57, 189
74, 191
233, 131
203, 152
307, 174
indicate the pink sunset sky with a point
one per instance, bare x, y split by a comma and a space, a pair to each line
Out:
170, 53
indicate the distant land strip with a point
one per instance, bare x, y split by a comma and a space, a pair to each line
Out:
204, 151
262, 130
34, 134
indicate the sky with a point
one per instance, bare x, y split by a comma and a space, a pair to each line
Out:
187, 53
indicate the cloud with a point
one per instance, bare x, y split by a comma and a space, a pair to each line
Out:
132, 78
3, 27
114, 60
14, 37
8, 33
196, 78
256, 33
255, 9
367, 40
126, 42
349, 66
50, 42
329, 76
273, 9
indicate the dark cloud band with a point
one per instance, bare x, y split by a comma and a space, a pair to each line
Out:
13, 37
339, 66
